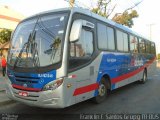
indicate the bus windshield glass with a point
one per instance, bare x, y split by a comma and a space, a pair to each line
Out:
37, 42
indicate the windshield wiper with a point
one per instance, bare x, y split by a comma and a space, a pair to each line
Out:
32, 46
56, 41
29, 46
26, 45
19, 56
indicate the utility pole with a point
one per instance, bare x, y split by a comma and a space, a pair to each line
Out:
71, 2
150, 30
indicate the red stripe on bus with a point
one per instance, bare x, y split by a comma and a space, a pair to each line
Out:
9, 18
128, 75
85, 89
95, 86
25, 88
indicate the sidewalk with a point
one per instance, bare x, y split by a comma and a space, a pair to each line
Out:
4, 100
2, 82
158, 63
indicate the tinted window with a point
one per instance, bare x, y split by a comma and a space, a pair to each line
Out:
142, 48
111, 41
125, 42
119, 40
84, 47
102, 37
105, 37
81, 51
148, 47
133, 44
153, 48
38, 42
122, 41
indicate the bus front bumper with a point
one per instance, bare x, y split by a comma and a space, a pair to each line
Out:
45, 99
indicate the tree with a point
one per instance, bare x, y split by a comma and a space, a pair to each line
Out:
101, 8
159, 56
124, 18
71, 2
5, 35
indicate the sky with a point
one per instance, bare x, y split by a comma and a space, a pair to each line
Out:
146, 24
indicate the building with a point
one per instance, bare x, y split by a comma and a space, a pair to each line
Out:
4, 49
9, 19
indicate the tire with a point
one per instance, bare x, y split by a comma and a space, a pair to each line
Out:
102, 91
144, 79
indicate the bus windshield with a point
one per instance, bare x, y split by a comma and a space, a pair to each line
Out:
37, 42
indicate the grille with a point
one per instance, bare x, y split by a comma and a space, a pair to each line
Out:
24, 79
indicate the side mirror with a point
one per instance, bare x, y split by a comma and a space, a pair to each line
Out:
76, 30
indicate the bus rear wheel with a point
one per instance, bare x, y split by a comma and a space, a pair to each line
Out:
102, 91
144, 78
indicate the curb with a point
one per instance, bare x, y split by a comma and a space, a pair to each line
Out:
7, 102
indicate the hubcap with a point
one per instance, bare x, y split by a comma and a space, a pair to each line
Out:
102, 90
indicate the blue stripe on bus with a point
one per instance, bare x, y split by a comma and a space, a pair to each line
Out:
31, 80
118, 64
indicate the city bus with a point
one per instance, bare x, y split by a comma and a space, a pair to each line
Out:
65, 56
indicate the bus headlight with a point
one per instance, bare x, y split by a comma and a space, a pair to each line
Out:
53, 85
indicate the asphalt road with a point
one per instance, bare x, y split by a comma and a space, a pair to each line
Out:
134, 98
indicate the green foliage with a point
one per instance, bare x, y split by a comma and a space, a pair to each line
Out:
101, 8
71, 2
159, 56
5, 35
126, 18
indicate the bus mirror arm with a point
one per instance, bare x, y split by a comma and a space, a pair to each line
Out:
76, 30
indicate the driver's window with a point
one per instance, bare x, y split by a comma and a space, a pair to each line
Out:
82, 50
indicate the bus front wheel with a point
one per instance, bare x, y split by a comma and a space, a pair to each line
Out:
102, 91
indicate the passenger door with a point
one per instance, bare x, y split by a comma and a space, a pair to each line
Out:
80, 66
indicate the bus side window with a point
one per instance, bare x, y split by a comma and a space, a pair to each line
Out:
153, 50
82, 50
122, 41
142, 48
133, 44
148, 47
106, 39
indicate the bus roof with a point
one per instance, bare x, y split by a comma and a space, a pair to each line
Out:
89, 13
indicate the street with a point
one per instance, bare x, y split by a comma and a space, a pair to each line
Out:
134, 98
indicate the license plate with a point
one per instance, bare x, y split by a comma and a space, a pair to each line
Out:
23, 93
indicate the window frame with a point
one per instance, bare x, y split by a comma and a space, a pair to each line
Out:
114, 34
78, 40
148, 43
123, 32
154, 48
137, 44
143, 44
52, 66
76, 16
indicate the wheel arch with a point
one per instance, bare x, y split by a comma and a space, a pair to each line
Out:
108, 81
